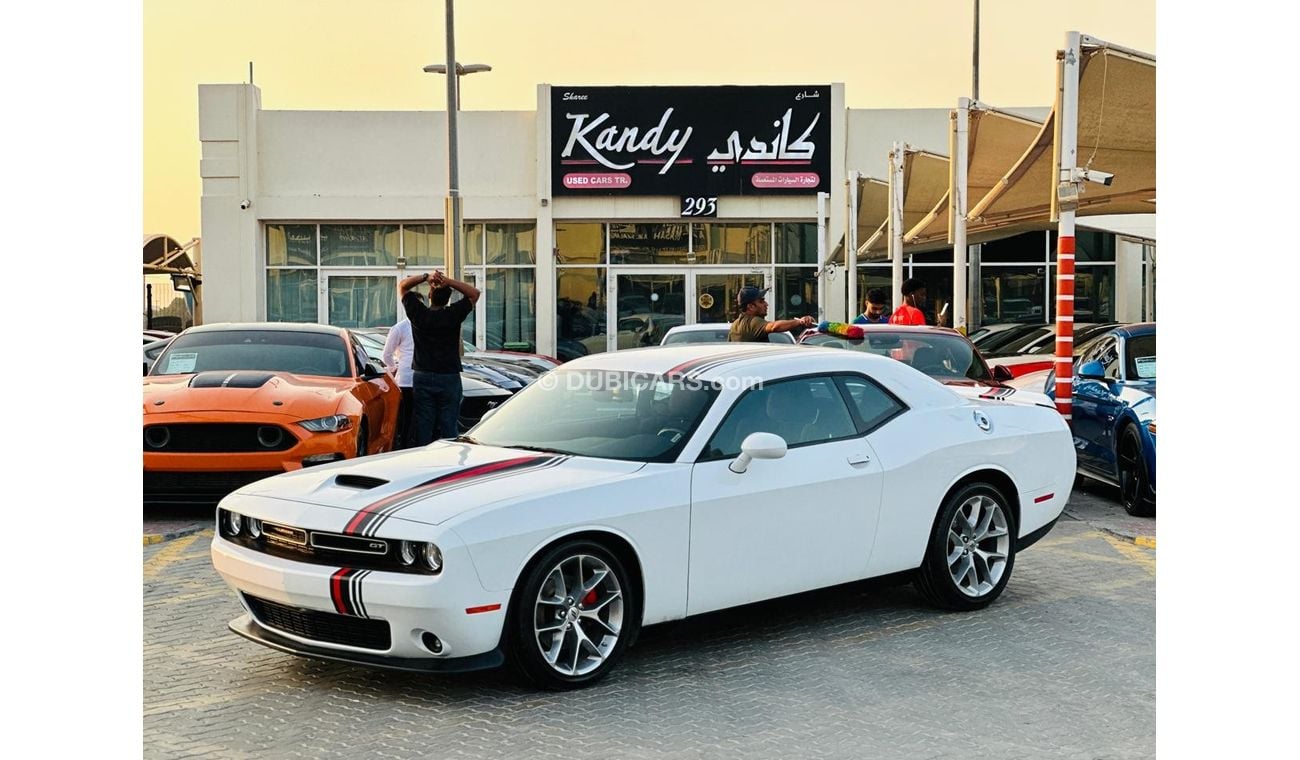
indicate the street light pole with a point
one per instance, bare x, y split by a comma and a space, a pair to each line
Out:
452, 216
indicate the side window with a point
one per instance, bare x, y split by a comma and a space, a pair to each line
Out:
874, 405
803, 411
1094, 354
1109, 358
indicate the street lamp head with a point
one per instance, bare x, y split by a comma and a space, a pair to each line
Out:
461, 68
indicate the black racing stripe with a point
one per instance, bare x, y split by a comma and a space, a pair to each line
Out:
371, 524
372, 527
230, 379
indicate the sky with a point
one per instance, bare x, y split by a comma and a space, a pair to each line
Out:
349, 55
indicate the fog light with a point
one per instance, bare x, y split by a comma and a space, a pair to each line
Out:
254, 527
433, 557
408, 552
320, 459
431, 642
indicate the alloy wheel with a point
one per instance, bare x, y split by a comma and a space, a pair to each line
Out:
578, 615
978, 544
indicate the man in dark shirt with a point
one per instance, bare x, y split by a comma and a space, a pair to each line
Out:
750, 326
435, 376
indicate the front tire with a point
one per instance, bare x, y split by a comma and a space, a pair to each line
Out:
971, 551
1134, 485
573, 618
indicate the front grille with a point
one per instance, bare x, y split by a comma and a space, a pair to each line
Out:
196, 487
321, 626
217, 438
316, 547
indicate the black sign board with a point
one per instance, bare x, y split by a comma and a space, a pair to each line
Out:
690, 141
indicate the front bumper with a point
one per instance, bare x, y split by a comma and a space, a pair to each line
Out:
411, 605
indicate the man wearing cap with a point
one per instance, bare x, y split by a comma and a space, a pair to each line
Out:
910, 313
751, 326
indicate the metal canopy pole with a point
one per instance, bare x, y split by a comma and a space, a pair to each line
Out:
957, 214
1067, 196
895, 227
851, 245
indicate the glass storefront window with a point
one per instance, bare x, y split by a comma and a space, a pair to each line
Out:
511, 244
1094, 294
361, 301
1029, 247
733, 243
938, 292
291, 295
1013, 294
423, 246
1090, 245
291, 245
796, 243
649, 243
511, 310
579, 243
932, 257
358, 245
579, 312
796, 293
472, 245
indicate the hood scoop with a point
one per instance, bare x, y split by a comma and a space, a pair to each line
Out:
228, 379
363, 482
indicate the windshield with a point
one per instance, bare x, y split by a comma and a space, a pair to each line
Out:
940, 355
605, 413
301, 353
994, 341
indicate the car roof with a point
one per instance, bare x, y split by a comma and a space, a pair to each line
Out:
1136, 329
304, 327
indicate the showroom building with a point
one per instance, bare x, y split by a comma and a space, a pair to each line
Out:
654, 205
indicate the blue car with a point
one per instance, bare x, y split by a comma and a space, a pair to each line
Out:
1114, 414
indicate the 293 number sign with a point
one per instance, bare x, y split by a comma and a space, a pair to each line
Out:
700, 206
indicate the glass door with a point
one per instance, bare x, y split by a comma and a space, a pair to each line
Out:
643, 305
713, 292
359, 300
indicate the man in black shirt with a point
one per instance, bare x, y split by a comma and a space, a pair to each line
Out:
435, 376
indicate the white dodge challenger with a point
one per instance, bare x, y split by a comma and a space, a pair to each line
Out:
638, 487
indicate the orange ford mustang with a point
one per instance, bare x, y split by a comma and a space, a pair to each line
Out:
227, 404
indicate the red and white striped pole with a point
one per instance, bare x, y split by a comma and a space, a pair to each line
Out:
1067, 200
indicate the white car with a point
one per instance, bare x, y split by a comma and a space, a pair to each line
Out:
639, 487
712, 332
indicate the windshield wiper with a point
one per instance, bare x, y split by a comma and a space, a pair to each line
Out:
542, 449
465, 439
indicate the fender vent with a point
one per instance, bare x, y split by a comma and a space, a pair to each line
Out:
364, 482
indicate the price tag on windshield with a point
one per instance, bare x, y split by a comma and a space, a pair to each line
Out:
181, 364
1146, 367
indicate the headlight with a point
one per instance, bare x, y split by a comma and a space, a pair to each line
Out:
254, 527
408, 552
234, 522
433, 557
331, 424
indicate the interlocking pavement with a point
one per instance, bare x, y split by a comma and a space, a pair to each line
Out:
1061, 666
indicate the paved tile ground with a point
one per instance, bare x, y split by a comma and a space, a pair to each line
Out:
1062, 666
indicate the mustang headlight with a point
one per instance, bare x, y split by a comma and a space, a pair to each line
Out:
433, 557
331, 424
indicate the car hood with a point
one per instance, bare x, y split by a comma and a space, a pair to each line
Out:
433, 484
247, 391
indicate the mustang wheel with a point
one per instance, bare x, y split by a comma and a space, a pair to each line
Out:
968, 561
1133, 482
573, 617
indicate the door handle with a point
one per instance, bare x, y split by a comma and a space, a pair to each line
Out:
859, 458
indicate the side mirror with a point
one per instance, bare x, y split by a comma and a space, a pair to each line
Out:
371, 371
1092, 371
1003, 373
758, 446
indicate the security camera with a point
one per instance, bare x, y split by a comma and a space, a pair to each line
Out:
1096, 175
244, 204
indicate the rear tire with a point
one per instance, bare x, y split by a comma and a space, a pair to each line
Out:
574, 617
1134, 485
971, 551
